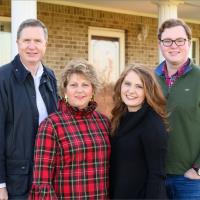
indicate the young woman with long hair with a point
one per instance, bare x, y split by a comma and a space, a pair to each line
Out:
139, 137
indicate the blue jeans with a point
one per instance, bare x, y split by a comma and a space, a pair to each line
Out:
179, 187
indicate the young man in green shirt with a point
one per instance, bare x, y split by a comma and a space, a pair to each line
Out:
180, 81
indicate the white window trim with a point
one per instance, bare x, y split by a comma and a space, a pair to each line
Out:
5, 19
196, 40
108, 32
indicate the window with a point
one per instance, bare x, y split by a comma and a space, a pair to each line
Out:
194, 50
106, 52
5, 41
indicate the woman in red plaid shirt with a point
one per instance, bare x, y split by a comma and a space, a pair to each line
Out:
72, 149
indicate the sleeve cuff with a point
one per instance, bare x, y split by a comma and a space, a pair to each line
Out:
2, 185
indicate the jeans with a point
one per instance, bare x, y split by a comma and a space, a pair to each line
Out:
180, 187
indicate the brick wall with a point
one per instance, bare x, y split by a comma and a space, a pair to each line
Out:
5, 8
68, 33
195, 30
68, 37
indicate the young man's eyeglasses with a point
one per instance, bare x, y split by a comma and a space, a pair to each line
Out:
169, 42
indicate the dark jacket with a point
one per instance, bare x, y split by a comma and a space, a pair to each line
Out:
19, 122
138, 153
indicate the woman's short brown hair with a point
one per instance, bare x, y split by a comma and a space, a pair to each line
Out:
79, 66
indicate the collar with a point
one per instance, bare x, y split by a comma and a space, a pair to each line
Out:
130, 120
159, 70
181, 70
65, 107
39, 72
21, 72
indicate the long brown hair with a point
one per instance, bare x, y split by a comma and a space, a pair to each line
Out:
153, 95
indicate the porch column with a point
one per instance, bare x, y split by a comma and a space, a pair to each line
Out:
166, 9
20, 10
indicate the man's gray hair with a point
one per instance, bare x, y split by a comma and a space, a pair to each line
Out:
32, 23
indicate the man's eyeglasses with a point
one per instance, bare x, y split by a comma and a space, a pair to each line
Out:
169, 42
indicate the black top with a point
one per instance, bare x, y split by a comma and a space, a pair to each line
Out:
138, 152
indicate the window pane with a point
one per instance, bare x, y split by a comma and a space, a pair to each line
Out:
106, 57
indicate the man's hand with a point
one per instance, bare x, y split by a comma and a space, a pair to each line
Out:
3, 194
191, 174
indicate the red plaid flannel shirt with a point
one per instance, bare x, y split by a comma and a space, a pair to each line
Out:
72, 155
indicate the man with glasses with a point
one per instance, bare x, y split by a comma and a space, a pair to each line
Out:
180, 81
